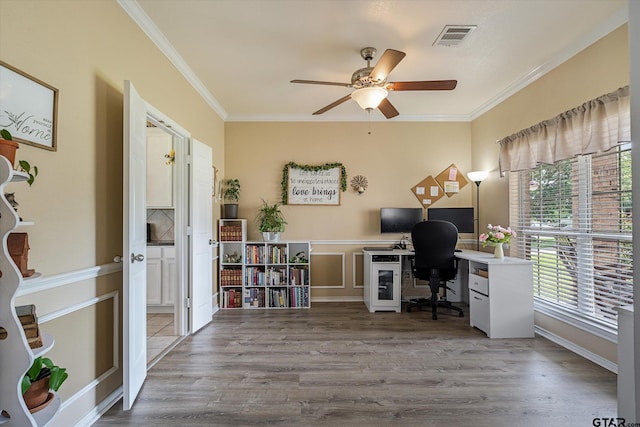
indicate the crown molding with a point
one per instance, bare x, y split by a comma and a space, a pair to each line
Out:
137, 14
614, 22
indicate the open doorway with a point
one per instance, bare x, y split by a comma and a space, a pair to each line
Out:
164, 321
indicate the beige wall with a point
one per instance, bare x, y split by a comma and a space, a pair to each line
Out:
86, 49
394, 157
599, 69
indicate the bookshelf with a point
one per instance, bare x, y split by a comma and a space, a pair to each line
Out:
20, 340
267, 275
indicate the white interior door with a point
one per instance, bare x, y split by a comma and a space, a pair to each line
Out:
201, 220
134, 245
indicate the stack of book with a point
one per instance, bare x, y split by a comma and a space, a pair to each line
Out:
29, 320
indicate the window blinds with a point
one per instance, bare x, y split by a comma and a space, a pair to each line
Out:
574, 223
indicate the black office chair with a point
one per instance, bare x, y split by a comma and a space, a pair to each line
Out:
434, 243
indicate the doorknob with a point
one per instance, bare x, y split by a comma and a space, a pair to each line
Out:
135, 258
117, 258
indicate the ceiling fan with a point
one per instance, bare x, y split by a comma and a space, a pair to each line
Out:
371, 86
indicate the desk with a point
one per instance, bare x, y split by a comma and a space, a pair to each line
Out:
501, 304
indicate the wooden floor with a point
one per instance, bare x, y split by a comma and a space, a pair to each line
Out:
336, 364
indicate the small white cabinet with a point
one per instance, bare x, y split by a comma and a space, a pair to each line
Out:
159, 173
500, 304
162, 278
382, 281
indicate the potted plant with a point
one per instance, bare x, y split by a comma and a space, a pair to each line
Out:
231, 196
8, 146
39, 379
270, 221
24, 166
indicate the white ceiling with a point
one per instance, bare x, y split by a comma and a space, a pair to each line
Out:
241, 54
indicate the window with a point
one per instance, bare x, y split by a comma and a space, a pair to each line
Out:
574, 223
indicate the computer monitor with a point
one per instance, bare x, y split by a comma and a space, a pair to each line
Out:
462, 218
399, 220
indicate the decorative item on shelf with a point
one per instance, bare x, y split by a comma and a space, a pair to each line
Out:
232, 258
18, 246
171, 157
8, 146
29, 321
231, 195
359, 183
299, 258
23, 166
42, 377
477, 177
497, 235
270, 221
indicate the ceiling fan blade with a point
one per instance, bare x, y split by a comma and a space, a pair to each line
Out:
387, 109
388, 61
316, 82
333, 104
424, 85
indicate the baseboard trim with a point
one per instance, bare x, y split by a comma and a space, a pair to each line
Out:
571, 346
338, 299
101, 409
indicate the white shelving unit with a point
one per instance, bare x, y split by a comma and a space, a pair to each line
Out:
267, 275
15, 353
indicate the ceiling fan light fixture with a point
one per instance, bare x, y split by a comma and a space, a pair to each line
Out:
368, 98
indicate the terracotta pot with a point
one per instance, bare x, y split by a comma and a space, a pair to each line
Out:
37, 393
8, 150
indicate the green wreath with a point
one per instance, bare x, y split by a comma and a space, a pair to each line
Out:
326, 166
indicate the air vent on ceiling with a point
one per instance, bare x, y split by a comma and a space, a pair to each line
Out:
453, 35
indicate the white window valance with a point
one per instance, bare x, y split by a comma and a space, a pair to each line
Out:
595, 126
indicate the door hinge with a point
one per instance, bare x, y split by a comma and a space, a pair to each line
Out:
188, 230
187, 302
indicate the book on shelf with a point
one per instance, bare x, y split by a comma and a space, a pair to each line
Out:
29, 321
27, 313
231, 233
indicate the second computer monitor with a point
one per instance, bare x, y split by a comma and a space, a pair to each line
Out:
462, 218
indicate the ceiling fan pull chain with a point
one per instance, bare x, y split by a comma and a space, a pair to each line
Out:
369, 113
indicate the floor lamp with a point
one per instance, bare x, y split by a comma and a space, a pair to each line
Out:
478, 177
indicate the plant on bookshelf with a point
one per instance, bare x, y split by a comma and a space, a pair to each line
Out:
42, 376
270, 221
231, 196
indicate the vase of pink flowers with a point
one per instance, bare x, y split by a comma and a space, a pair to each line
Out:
497, 235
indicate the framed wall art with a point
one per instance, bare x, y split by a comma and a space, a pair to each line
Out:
28, 108
313, 185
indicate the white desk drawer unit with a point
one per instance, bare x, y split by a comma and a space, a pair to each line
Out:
479, 307
501, 305
478, 284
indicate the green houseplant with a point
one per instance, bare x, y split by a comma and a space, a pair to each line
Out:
8, 146
231, 196
270, 221
42, 376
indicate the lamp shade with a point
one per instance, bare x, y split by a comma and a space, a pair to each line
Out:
369, 98
478, 176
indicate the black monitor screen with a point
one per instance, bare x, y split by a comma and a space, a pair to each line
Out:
399, 220
462, 218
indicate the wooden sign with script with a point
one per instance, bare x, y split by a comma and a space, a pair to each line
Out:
314, 187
